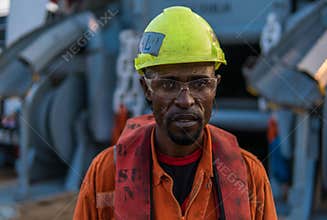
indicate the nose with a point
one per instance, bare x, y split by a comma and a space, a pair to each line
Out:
184, 99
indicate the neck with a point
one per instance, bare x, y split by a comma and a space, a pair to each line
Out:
166, 146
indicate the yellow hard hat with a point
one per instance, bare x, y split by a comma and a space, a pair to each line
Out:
178, 35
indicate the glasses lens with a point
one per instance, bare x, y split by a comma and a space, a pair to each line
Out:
204, 85
165, 86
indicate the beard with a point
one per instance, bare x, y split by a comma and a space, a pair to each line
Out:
184, 136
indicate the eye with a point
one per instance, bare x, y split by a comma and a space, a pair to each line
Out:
168, 84
199, 84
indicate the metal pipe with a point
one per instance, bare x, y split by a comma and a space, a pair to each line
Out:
70, 35
242, 120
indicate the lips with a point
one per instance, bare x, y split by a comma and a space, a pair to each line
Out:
185, 120
185, 117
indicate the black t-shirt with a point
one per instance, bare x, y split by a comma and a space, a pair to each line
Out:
182, 170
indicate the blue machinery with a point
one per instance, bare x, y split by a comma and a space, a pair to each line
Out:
65, 72
291, 75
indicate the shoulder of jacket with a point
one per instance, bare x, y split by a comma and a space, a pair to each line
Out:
254, 166
223, 133
250, 158
102, 171
105, 159
220, 130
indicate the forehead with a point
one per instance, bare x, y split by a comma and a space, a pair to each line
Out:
183, 69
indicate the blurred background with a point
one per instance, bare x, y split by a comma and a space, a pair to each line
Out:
68, 85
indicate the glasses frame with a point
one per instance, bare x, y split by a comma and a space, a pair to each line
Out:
184, 85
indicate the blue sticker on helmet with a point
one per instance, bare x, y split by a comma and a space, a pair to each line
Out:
151, 43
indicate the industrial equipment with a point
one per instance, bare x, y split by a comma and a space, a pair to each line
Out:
73, 71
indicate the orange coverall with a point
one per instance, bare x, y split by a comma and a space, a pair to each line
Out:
96, 195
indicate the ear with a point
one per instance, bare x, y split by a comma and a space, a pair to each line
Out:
147, 92
218, 79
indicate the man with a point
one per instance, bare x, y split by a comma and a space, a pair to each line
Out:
173, 165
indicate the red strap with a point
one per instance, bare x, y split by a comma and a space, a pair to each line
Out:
232, 174
132, 182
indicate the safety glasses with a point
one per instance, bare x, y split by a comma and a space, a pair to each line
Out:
170, 88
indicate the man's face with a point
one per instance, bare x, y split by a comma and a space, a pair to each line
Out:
181, 115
